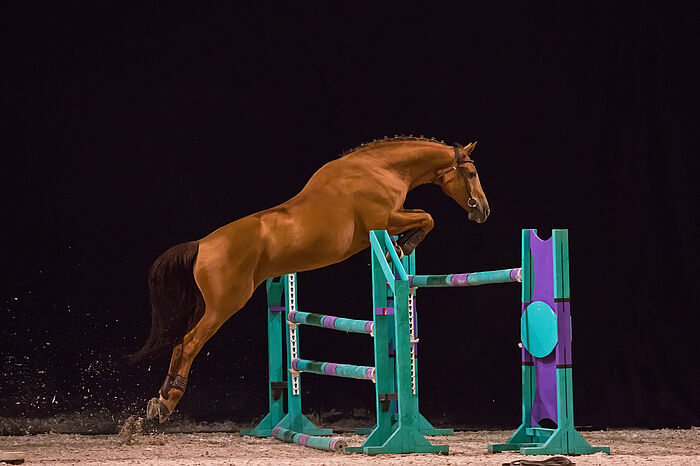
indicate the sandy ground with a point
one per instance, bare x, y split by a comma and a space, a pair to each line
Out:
654, 447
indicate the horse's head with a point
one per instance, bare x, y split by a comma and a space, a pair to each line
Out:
462, 184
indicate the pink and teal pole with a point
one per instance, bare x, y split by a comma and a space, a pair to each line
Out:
330, 368
334, 444
332, 322
465, 279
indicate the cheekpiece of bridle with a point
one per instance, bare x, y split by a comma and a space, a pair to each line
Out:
471, 202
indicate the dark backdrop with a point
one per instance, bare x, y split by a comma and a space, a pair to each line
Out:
130, 129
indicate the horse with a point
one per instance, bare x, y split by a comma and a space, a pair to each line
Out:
197, 286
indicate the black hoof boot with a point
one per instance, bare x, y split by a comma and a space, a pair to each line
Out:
410, 240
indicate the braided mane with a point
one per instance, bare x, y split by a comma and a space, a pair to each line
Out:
396, 138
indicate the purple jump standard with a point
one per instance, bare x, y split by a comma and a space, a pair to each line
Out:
546, 364
465, 279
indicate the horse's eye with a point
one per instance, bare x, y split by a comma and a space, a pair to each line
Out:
472, 175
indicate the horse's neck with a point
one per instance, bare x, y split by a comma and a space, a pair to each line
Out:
419, 163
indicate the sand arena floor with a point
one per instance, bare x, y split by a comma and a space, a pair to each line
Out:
629, 447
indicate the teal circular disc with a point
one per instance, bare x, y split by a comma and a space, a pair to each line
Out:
538, 329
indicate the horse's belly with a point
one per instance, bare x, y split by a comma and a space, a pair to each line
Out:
306, 240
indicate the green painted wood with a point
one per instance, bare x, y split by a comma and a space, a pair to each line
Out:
560, 245
565, 398
424, 426
403, 354
563, 441
277, 297
275, 357
295, 419
394, 433
389, 245
376, 250
404, 435
384, 366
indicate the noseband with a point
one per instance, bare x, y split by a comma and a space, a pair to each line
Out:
471, 202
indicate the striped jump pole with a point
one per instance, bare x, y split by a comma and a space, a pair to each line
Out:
330, 368
332, 322
465, 279
334, 444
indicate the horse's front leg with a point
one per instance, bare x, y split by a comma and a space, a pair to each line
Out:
412, 226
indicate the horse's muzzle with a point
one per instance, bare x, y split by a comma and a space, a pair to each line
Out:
478, 213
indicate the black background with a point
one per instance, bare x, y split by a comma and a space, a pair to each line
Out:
131, 129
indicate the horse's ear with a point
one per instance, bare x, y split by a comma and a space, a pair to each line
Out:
465, 151
469, 148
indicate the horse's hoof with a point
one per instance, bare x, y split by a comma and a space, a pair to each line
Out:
399, 252
153, 408
151, 426
164, 412
157, 409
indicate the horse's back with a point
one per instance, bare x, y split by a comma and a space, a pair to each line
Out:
325, 223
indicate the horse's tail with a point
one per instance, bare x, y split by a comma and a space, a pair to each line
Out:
176, 302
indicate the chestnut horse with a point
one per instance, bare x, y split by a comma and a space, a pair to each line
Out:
196, 286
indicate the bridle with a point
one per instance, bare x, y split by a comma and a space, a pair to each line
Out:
471, 202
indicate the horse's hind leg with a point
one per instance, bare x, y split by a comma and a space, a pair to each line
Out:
192, 344
176, 382
224, 273
154, 409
